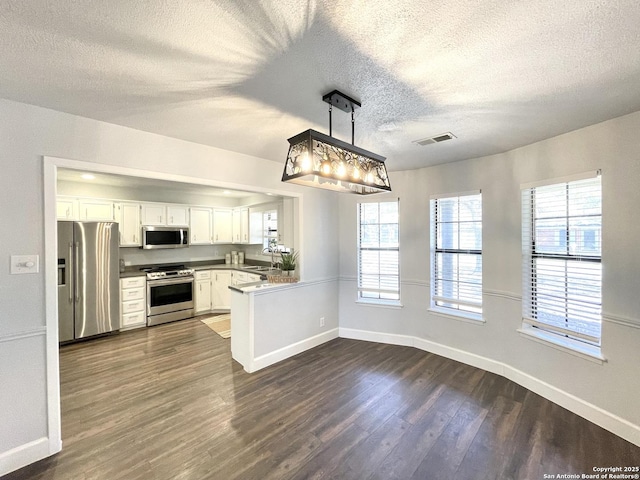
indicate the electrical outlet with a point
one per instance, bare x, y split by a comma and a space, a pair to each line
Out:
322, 321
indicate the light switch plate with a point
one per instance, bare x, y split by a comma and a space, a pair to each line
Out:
25, 264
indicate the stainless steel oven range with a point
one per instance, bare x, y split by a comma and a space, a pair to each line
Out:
169, 294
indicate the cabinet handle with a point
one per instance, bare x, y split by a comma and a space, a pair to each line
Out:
134, 238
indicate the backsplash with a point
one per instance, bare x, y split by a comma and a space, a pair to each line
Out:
195, 253
139, 256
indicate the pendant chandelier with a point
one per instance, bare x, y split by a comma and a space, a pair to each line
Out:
319, 160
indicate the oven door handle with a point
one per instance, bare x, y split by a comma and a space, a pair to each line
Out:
169, 281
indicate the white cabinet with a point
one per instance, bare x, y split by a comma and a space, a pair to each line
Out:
85, 209
158, 215
201, 230
212, 290
67, 208
203, 291
255, 226
221, 293
133, 302
272, 223
222, 226
285, 222
93, 210
238, 278
241, 225
154, 214
128, 218
177, 215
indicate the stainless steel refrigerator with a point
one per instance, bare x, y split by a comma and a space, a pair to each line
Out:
88, 279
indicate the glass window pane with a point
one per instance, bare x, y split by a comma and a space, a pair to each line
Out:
378, 257
565, 292
369, 213
457, 275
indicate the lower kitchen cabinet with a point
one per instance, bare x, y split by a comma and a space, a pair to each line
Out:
202, 291
221, 293
212, 291
238, 278
133, 307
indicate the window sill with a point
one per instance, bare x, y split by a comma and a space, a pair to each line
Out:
567, 345
394, 304
464, 317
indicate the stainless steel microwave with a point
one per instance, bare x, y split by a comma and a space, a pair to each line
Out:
165, 237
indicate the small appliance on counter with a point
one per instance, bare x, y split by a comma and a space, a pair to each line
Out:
240, 257
227, 258
88, 279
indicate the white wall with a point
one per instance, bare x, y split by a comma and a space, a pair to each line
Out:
27, 134
614, 387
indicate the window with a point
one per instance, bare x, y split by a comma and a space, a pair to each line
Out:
562, 270
378, 252
456, 261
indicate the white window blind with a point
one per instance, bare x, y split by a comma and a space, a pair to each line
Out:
378, 251
456, 246
562, 270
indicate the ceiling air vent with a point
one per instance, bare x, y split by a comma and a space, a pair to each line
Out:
437, 139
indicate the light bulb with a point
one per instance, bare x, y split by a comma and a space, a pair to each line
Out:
342, 170
356, 173
306, 162
326, 167
369, 178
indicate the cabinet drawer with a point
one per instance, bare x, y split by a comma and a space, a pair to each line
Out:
133, 306
133, 282
134, 319
203, 275
132, 294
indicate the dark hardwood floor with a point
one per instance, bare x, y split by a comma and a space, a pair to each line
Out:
169, 403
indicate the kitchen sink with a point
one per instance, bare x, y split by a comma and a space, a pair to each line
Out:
257, 268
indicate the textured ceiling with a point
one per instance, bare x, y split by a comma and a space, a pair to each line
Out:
247, 75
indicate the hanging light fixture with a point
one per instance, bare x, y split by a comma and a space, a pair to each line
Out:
319, 160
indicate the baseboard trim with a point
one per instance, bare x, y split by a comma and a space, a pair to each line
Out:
607, 420
24, 455
276, 356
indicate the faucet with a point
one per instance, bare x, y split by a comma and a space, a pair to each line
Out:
272, 252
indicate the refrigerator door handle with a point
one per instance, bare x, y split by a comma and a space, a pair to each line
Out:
69, 273
77, 271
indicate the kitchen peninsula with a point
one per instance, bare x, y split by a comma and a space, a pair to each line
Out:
272, 322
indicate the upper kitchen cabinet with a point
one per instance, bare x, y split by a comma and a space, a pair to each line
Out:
272, 223
67, 208
92, 210
201, 227
128, 216
240, 225
177, 216
154, 214
160, 215
285, 222
84, 209
222, 225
